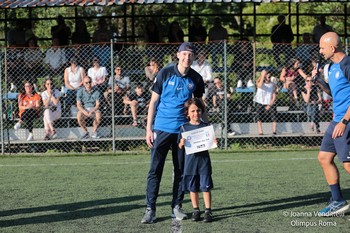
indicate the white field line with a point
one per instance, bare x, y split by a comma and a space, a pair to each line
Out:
147, 162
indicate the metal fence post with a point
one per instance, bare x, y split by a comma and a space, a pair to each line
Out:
225, 94
1, 107
113, 120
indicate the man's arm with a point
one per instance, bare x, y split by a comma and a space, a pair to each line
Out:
260, 80
150, 115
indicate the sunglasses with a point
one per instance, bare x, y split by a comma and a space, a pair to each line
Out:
309, 81
48, 83
88, 82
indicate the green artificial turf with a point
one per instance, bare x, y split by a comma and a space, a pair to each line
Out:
254, 192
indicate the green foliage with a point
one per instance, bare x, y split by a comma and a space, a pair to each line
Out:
163, 14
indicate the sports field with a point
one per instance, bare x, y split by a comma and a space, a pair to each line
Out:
254, 192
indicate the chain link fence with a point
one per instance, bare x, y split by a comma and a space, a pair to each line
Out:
234, 69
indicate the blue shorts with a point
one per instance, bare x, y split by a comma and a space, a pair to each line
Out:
196, 183
340, 145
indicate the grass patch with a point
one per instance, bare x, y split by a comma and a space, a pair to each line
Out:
106, 193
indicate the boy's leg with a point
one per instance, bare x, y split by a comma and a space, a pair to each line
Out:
207, 199
195, 199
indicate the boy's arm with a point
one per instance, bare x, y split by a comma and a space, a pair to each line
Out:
182, 143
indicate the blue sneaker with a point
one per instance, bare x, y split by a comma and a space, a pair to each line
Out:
334, 208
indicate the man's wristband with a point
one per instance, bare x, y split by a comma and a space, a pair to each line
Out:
344, 121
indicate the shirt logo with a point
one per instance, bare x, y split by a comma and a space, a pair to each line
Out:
172, 83
190, 86
337, 75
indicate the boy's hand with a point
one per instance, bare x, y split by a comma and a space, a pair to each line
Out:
182, 143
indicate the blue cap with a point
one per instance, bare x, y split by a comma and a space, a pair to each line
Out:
187, 46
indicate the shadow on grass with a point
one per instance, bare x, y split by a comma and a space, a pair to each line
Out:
278, 205
76, 210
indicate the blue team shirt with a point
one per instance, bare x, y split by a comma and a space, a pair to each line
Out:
198, 163
339, 83
174, 90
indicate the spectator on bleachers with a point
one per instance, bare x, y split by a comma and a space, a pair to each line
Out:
98, 75
119, 95
16, 35
293, 78
61, 31
29, 108
175, 33
88, 104
33, 59
73, 81
243, 63
151, 32
52, 108
151, 72
203, 67
55, 57
81, 38
119, 79
282, 37
305, 52
265, 99
138, 103
102, 36
122, 84
28, 30
312, 97
81, 35
217, 95
292, 73
320, 29
217, 34
15, 67
197, 32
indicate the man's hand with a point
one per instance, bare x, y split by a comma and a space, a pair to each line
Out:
339, 130
149, 138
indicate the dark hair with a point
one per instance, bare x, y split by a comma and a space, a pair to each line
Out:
291, 62
23, 92
194, 101
138, 85
73, 60
49, 79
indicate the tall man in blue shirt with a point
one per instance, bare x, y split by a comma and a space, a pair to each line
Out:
336, 140
173, 86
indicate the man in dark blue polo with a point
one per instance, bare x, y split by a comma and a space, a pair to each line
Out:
173, 86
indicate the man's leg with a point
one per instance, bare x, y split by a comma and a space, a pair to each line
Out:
337, 204
81, 121
97, 121
330, 170
347, 167
178, 193
159, 152
178, 163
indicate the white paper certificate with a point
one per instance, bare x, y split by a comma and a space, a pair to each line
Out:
199, 139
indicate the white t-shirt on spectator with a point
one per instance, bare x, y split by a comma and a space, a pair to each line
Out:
97, 75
